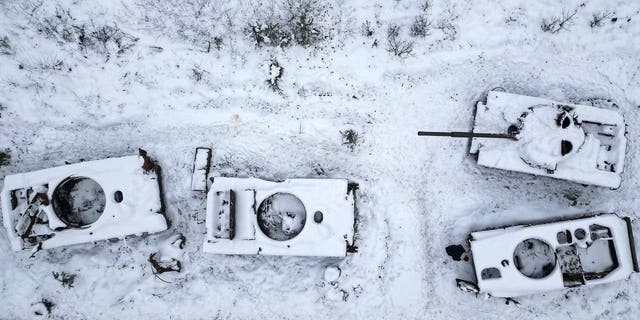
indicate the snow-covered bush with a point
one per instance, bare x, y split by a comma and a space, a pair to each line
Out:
274, 74
111, 38
217, 43
294, 22
395, 44
598, 17
63, 27
420, 26
350, 138
43, 307
367, 29
555, 24
203, 23
301, 19
66, 279
58, 26
270, 34
449, 30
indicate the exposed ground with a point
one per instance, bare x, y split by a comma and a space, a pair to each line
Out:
195, 77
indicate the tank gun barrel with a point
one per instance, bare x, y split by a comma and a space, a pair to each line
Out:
458, 134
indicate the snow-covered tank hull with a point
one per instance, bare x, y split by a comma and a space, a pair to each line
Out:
572, 142
83, 202
528, 259
300, 217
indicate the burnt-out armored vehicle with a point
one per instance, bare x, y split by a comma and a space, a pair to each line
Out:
528, 259
572, 142
84, 202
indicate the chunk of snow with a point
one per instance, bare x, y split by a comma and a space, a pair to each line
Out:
331, 274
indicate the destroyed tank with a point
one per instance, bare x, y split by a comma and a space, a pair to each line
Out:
572, 142
83, 202
529, 259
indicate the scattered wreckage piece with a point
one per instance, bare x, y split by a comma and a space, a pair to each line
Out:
542, 137
573, 142
528, 259
467, 286
82, 202
201, 163
301, 217
169, 257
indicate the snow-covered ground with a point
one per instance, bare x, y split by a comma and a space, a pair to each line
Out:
165, 93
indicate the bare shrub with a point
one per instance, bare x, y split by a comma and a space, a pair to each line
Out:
556, 24
598, 17
350, 138
66, 279
203, 23
298, 22
301, 18
396, 45
367, 29
198, 73
425, 5
84, 40
63, 27
58, 26
49, 64
270, 33
217, 43
449, 30
112, 35
5, 46
420, 26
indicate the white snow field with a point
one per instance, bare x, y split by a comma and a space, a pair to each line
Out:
76, 85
